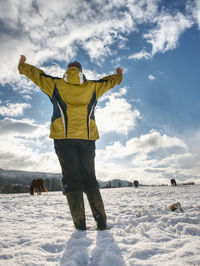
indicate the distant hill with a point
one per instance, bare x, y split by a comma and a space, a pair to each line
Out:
26, 176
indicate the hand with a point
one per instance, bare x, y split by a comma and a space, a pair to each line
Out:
119, 71
22, 59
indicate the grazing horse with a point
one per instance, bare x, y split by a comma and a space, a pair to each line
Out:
136, 183
37, 185
173, 182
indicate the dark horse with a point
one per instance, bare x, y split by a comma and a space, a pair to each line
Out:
37, 185
173, 182
136, 183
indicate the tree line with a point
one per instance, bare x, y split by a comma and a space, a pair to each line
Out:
12, 185
22, 185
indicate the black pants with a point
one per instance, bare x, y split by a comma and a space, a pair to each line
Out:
76, 158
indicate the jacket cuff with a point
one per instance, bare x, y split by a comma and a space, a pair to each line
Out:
20, 68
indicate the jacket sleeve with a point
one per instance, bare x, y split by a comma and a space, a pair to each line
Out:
45, 82
106, 84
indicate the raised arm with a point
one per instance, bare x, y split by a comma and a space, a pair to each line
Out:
108, 82
45, 82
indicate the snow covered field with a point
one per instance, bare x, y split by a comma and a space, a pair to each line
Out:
37, 230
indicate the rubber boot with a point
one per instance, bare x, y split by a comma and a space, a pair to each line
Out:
77, 209
97, 207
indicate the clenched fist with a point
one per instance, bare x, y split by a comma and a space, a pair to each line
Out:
22, 59
119, 71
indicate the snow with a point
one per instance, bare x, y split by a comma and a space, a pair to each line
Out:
38, 230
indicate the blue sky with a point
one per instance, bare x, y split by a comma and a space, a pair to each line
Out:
149, 124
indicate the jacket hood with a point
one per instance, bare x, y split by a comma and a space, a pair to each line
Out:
74, 76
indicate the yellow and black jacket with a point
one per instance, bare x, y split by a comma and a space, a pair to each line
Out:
74, 99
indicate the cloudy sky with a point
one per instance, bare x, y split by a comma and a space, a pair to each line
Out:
149, 124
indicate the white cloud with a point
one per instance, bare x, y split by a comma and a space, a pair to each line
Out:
27, 146
54, 70
13, 109
23, 128
166, 34
92, 75
154, 141
144, 10
24, 86
197, 11
144, 145
9, 13
11, 49
193, 7
19, 157
151, 77
117, 114
141, 55
153, 158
